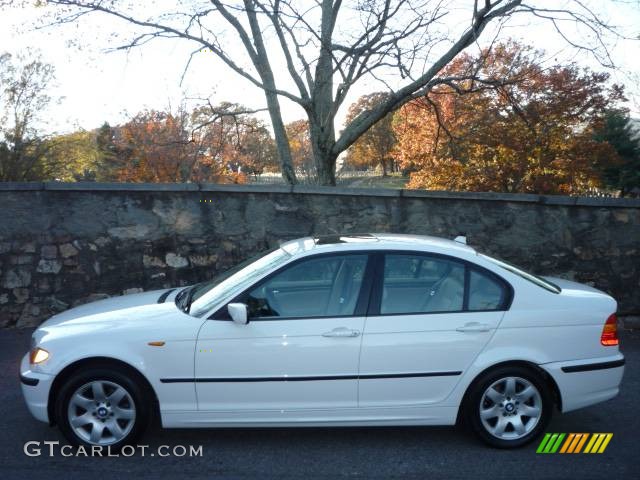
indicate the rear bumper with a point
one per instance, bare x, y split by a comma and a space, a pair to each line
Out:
586, 382
35, 389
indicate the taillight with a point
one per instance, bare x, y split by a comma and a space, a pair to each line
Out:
609, 335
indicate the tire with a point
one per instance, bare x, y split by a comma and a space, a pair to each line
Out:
503, 419
102, 406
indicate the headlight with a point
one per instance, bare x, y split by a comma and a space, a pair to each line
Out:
38, 355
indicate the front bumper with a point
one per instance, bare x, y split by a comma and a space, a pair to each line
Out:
35, 389
586, 382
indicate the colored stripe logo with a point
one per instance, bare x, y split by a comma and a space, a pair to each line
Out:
574, 443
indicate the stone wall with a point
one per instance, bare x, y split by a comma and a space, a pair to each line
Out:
64, 244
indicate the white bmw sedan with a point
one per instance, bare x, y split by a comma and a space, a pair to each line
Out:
337, 331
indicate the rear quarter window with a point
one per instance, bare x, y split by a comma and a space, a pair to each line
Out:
485, 292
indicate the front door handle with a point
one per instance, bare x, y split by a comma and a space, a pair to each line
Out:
341, 332
474, 327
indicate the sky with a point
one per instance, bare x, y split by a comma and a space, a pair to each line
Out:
97, 85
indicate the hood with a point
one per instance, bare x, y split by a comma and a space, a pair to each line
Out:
126, 307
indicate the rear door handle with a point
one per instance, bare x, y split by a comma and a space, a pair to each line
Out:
474, 327
341, 332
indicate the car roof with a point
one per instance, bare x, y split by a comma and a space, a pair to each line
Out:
375, 241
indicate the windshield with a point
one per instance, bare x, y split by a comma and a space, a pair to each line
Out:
541, 282
205, 295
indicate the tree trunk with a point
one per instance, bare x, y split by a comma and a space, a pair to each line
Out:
282, 141
322, 114
383, 162
323, 157
260, 59
326, 174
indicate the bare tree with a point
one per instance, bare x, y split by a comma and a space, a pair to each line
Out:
328, 46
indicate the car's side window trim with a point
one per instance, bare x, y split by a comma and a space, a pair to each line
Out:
376, 294
467, 285
361, 303
376, 290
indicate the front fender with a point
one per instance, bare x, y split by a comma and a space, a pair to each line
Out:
170, 355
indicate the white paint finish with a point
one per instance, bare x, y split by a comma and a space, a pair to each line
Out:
543, 328
586, 388
122, 331
277, 348
344, 417
114, 306
419, 344
36, 397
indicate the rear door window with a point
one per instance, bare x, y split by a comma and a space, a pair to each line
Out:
421, 284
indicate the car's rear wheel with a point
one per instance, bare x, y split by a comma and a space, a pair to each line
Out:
509, 406
101, 407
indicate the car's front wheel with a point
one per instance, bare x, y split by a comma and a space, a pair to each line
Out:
509, 407
101, 407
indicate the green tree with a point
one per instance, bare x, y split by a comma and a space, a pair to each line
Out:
107, 151
23, 97
74, 156
616, 129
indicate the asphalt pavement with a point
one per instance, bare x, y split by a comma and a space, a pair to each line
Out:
407, 452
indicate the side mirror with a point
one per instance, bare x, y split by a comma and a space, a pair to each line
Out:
238, 312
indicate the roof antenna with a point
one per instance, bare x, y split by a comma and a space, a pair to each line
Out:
461, 238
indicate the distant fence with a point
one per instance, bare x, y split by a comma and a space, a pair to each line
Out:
342, 178
347, 178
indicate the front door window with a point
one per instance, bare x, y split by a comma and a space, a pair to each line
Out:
316, 287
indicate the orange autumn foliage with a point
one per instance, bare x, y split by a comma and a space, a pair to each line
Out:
300, 145
158, 147
531, 131
200, 146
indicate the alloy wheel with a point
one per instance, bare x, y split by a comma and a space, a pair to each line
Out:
510, 408
101, 412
